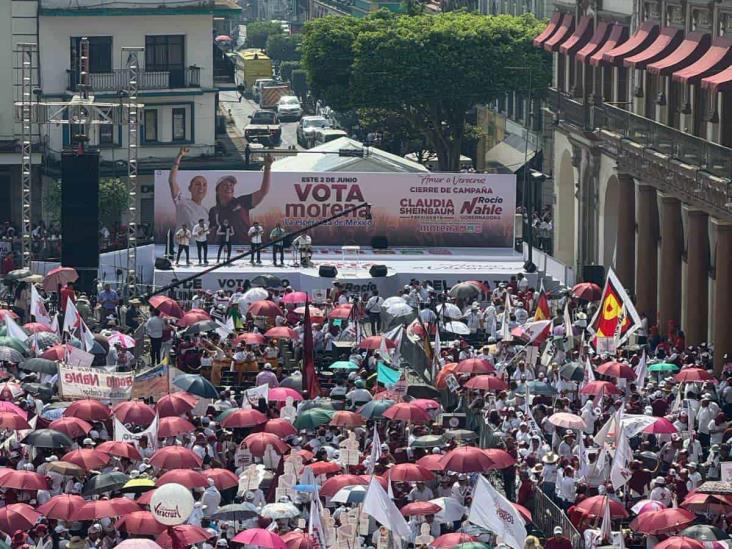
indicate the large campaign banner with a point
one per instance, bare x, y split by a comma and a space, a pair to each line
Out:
78, 383
411, 209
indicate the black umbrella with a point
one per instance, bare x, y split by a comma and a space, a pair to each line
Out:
42, 390
202, 326
48, 438
419, 390
105, 482
266, 281
40, 365
236, 511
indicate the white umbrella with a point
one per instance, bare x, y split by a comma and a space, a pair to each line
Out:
280, 510
249, 297
350, 494
455, 327
399, 309
451, 510
449, 310
568, 421
389, 301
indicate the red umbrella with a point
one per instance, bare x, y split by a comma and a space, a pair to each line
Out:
166, 305
381, 480
587, 291
173, 426
176, 404
223, 478
10, 390
120, 449
425, 403
187, 477
409, 472
388, 394
175, 457
145, 498
7, 312
244, 417
282, 332
135, 412
347, 419
280, 427
448, 541
185, 534
191, 317
693, 374
447, 369
260, 537
307, 455
101, 508
60, 276
431, 462
124, 505
88, 409
679, 542
264, 308
595, 506
87, 459
373, 343
141, 523
280, 394
333, 484
257, 443
73, 427
523, 511
661, 426
223, 38
57, 352
18, 516
616, 369
341, 312
295, 298
13, 422
13, 408
36, 327
474, 366
61, 507
594, 388
298, 540
404, 411
325, 467
486, 383
662, 522
467, 459
22, 480
701, 503
500, 458
250, 339
420, 508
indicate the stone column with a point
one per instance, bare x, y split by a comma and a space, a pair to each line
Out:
697, 277
723, 295
625, 242
646, 274
669, 304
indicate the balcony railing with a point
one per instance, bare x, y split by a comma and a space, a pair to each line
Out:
568, 109
686, 148
118, 79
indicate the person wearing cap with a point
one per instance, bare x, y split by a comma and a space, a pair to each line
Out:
359, 394
660, 492
236, 208
267, 376
558, 541
420, 492
211, 499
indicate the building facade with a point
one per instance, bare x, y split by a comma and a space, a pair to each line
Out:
641, 116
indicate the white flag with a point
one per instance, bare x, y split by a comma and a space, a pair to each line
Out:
86, 335
506, 324
224, 330
641, 371
378, 505
436, 356
13, 330
38, 308
315, 526
569, 334
72, 318
375, 452
54, 325
492, 511
606, 529
396, 336
123, 434
255, 393
620, 472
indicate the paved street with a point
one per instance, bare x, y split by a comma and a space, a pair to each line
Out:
242, 111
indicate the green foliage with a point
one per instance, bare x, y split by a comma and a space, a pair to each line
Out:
427, 69
259, 31
283, 47
286, 69
298, 82
112, 201
413, 7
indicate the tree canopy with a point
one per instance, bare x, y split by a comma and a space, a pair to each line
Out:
259, 31
283, 47
427, 69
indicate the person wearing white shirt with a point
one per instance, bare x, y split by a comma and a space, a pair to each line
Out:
472, 318
420, 493
567, 488
695, 478
255, 239
200, 235
660, 492
373, 309
520, 313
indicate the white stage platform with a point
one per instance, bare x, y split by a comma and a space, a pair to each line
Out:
442, 266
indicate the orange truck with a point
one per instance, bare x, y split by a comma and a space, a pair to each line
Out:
270, 95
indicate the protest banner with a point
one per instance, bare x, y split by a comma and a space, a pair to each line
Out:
75, 383
78, 357
151, 383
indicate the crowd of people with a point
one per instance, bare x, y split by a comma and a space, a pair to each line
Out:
287, 419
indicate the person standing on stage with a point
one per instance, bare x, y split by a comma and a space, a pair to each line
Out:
224, 232
255, 241
277, 233
183, 239
200, 235
373, 309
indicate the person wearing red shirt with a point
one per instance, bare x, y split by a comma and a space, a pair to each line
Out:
8, 264
558, 541
66, 293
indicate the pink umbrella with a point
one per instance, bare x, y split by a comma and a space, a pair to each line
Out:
616, 369
467, 459
298, 540
141, 523
264, 308
244, 417
693, 374
88, 409
74, 427
348, 419
250, 338
135, 543
7, 312
36, 327
193, 316
333, 484
18, 516
13, 422
645, 505
295, 298
663, 521
87, 459
280, 427
10, 390
93, 510
341, 312
374, 343
56, 352
405, 411
14, 408
486, 383
22, 480
261, 538
448, 541
223, 38
661, 426
474, 366
174, 426
135, 412
325, 467
594, 506
500, 458
587, 291
176, 404
166, 305
59, 276
420, 508
431, 462
567, 420
281, 332
120, 449
61, 507
681, 542
258, 442
175, 457
409, 472
280, 394
186, 477
185, 534
425, 403
223, 478
124, 340
594, 388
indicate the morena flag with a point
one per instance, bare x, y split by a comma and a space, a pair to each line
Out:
616, 316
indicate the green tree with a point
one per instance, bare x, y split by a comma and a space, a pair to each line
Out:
259, 31
283, 47
426, 69
112, 200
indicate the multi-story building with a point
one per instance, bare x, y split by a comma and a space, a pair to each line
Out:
641, 111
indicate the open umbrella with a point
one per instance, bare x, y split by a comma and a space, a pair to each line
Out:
431, 462
201, 327
467, 459
374, 343
281, 394
486, 383
166, 305
134, 543
298, 540
661, 522
13, 422
572, 371
135, 412
594, 388
661, 426
409, 472
223, 478
420, 508
174, 426
313, 418
616, 369
429, 441
295, 298
595, 506
588, 291
236, 511
448, 310
687, 375
87, 459
404, 411
474, 366
334, 484
455, 327
325, 467
48, 438
141, 523
523, 511
185, 535
250, 338
281, 332
647, 505
264, 308
704, 532
243, 418
464, 290
8, 354
186, 477
175, 457
448, 541
17, 516
347, 419
341, 312
66, 469
196, 385
22, 480
175, 404
350, 494
375, 408
344, 365
61, 507
191, 317
43, 391
567, 420
60, 276
120, 449
280, 510
266, 281
280, 427
461, 435
74, 427
500, 458
661, 367
261, 538
144, 486
679, 542
39, 365
88, 409
258, 442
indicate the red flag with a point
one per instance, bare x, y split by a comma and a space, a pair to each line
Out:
542, 308
308, 359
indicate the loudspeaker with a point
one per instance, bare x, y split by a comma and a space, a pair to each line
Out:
327, 271
379, 242
377, 270
163, 264
80, 215
594, 273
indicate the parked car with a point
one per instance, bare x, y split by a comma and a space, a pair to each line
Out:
328, 134
308, 127
263, 127
288, 107
260, 83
